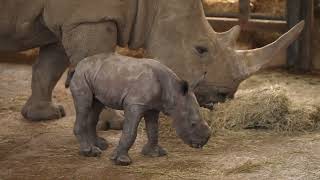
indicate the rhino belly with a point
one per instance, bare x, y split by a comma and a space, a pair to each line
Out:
111, 97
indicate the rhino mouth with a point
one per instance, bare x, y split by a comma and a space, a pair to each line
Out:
209, 102
208, 96
196, 146
208, 105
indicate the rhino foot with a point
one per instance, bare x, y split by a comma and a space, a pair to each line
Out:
102, 143
90, 151
42, 111
153, 151
121, 159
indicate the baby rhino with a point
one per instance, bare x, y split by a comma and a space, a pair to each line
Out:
142, 88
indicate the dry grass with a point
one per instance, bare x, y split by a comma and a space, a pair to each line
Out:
270, 107
271, 7
247, 167
220, 6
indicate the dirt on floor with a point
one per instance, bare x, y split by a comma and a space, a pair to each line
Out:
48, 150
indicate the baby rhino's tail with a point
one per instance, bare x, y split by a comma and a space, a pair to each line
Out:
69, 77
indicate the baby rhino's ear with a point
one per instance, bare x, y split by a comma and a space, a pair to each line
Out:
184, 87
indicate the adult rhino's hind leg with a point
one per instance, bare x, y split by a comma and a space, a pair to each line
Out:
88, 39
46, 72
95, 111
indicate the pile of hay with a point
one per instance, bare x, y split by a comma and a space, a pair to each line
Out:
263, 108
275, 8
220, 6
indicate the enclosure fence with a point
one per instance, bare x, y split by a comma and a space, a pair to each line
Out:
299, 56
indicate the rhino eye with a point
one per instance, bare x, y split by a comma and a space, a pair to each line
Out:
201, 50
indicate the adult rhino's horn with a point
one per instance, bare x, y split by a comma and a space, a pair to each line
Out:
230, 37
255, 59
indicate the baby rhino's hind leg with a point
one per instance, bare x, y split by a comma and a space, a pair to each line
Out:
96, 109
87, 113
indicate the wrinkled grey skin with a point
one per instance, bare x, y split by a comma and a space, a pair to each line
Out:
175, 32
142, 88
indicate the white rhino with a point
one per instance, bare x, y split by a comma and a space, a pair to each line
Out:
175, 32
142, 88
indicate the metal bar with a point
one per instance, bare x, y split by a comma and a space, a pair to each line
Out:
267, 17
300, 53
223, 24
252, 15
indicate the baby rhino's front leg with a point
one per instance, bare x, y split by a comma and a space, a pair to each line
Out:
152, 148
133, 115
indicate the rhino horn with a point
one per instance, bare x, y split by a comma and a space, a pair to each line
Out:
255, 59
230, 37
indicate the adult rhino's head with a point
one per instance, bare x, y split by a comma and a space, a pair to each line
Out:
179, 36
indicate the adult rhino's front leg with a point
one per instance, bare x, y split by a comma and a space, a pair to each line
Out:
46, 72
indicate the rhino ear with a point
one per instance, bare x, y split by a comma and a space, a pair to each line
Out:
230, 37
196, 83
184, 87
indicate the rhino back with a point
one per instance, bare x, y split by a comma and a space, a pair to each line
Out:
26, 24
66, 15
118, 79
20, 25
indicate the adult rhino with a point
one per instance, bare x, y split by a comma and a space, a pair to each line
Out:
173, 31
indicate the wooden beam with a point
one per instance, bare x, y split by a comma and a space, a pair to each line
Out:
305, 61
224, 24
300, 52
244, 11
293, 17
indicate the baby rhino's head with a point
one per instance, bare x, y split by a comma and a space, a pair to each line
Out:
189, 125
